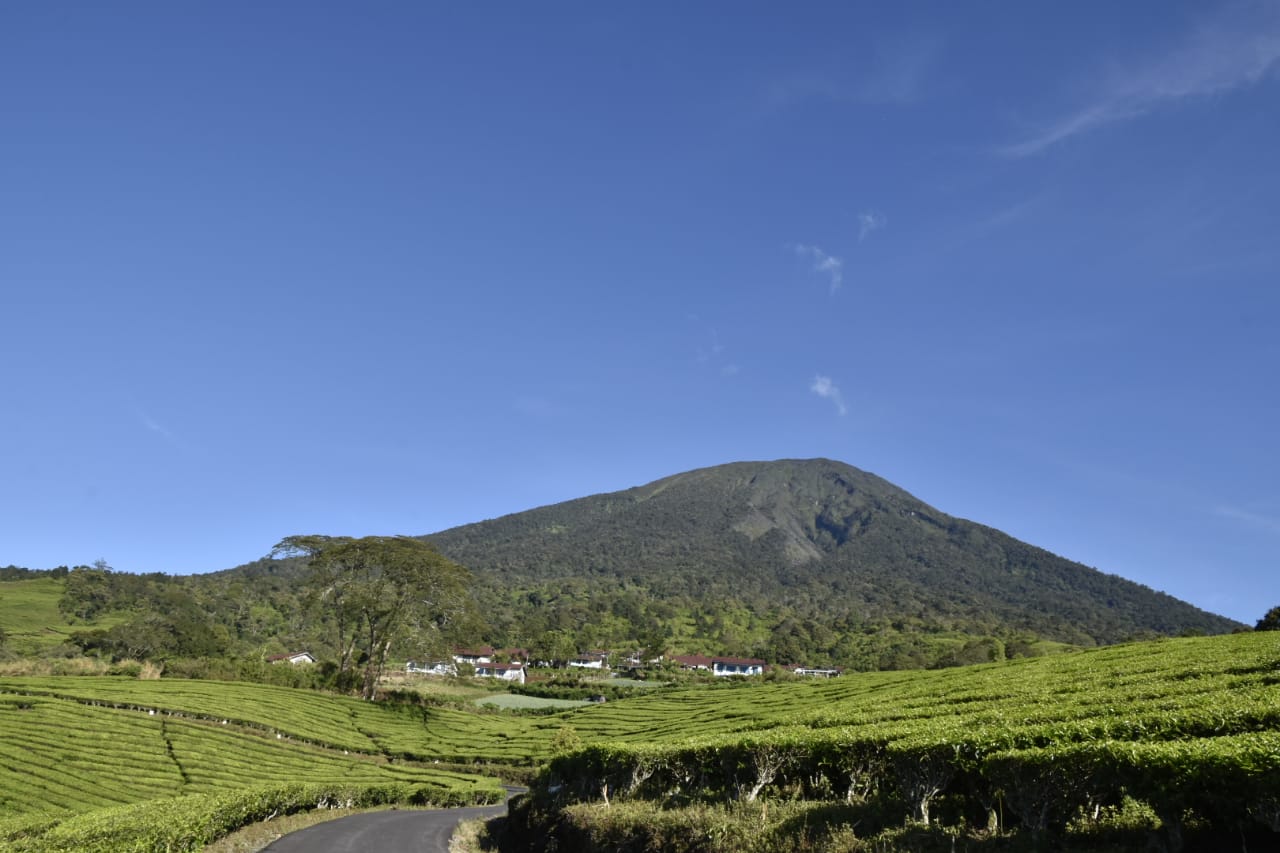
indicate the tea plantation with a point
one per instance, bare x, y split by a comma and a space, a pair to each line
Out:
1181, 736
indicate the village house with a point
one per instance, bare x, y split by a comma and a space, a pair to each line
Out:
737, 666
720, 665
437, 667
505, 671
514, 655
475, 657
698, 662
295, 658
817, 671
591, 660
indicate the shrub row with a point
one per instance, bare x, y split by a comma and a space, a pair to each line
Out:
1228, 781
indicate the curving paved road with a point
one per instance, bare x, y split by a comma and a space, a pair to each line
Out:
408, 831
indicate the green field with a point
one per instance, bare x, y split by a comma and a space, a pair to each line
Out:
30, 617
514, 701
921, 742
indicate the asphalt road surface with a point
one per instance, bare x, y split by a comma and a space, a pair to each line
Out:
401, 831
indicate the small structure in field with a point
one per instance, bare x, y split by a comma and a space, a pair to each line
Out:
817, 671
434, 667
294, 658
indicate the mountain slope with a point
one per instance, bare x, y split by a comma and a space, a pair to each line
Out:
814, 539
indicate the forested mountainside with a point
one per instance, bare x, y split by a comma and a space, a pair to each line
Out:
792, 559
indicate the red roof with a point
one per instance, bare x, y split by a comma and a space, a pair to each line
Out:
286, 657
739, 661
692, 660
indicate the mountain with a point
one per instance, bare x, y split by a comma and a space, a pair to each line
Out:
794, 561
742, 551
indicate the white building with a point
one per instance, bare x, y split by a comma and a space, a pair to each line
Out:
475, 657
737, 666
591, 660
505, 671
438, 667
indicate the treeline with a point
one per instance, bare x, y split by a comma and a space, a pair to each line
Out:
220, 626
19, 573
262, 608
556, 620
157, 617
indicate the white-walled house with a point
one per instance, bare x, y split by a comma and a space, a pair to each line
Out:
436, 667
505, 671
591, 660
293, 658
475, 657
737, 666
818, 671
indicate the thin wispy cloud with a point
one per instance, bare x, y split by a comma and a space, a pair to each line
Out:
1251, 518
993, 222
1216, 59
156, 428
821, 262
826, 389
152, 425
869, 221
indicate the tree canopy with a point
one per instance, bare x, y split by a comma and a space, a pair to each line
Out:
1269, 622
378, 591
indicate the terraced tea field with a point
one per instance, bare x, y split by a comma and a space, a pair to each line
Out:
72, 744
1188, 729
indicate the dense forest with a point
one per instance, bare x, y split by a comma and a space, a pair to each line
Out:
795, 561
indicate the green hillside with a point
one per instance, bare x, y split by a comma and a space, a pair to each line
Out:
30, 618
795, 560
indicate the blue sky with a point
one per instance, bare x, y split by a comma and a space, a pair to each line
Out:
269, 269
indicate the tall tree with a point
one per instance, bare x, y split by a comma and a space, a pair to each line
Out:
379, 590
1269, 622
